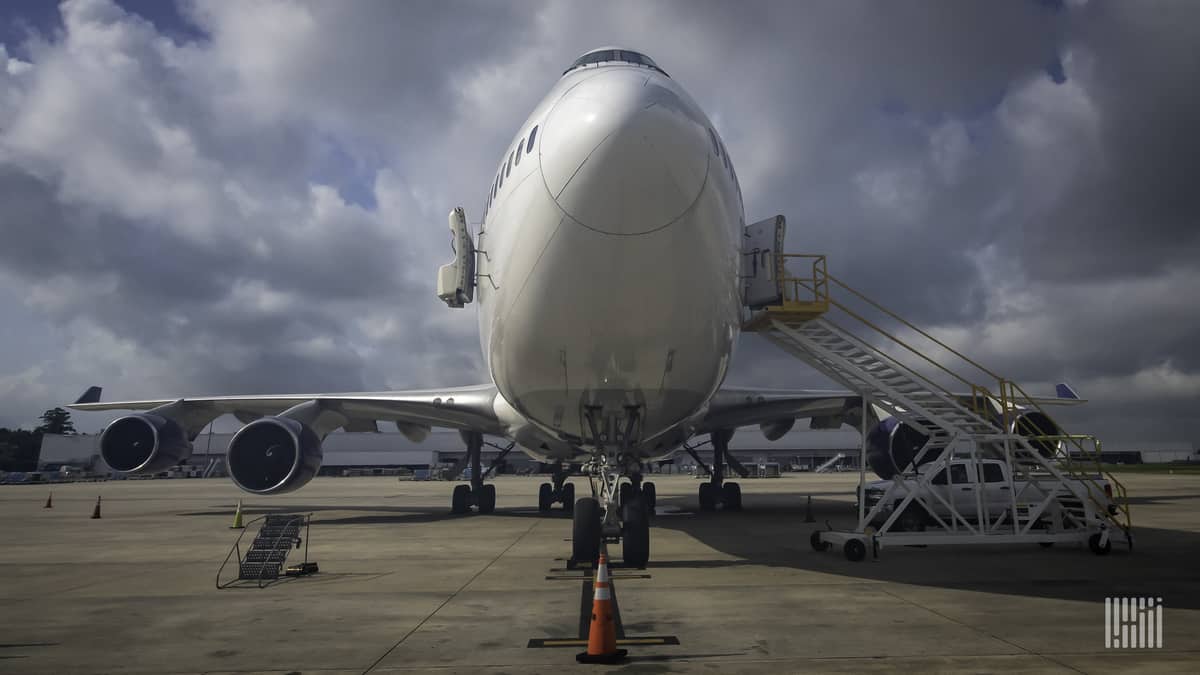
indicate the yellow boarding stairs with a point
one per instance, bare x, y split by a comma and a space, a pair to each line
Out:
1058, 494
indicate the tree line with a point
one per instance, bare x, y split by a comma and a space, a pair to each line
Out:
19, 448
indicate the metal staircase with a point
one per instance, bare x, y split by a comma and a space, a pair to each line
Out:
264, 560
1053, 497
829, 464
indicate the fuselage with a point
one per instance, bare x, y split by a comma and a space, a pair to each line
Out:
609, 296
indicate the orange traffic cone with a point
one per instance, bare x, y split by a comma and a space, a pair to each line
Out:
96, 511
49, 501
602, 635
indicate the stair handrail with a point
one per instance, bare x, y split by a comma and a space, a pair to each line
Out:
819, 278
891, 360
236, 547
910, 325
904, 344
1119, 493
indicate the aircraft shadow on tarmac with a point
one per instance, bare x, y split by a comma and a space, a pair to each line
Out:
771, 531
1160, 564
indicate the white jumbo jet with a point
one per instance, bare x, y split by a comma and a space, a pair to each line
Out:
610, 291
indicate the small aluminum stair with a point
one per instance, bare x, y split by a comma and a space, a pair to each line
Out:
265, 559
269, 551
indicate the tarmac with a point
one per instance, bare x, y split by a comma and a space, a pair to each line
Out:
406, 586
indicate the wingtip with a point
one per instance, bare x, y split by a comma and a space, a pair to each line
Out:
92, 395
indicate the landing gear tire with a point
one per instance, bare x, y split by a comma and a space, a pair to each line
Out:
545, 497
568, 497
650, 496
487, 498
635, 533
460, 499
854, 550
624, 493
815, 541
708, 500
585, 531
731, 494
1094, 544
1045, 544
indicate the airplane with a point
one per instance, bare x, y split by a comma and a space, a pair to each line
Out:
610, 274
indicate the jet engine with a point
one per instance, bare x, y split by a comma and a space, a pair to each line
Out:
892, 445
776, 430
144, 443
273, 455
1034, 423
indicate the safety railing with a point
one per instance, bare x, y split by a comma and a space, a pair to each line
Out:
804, 296
1088, 447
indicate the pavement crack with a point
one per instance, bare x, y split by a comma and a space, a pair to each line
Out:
453, 595
977, 630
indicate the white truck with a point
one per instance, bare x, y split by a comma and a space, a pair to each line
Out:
961, 488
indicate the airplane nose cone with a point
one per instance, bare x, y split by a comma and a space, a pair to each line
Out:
623, 154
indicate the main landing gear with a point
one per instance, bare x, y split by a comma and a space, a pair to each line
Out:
618, 511
716, 492
478, 494
558, 492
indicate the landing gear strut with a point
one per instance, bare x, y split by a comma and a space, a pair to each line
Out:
560, 492
618, 510
478, 494
716, 492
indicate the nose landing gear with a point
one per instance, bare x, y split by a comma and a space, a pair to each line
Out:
618, 512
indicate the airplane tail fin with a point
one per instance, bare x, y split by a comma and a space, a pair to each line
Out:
1064, 390
92, 395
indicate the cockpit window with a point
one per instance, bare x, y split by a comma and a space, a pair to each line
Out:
517, 161
716, 145
618, 55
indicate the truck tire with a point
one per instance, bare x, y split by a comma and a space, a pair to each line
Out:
855, 550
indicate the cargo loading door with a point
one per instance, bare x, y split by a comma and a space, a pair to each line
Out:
762, 262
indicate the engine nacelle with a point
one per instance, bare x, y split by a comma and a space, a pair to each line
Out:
774, 431
1035, 423
273, 455
892, 445
144, 443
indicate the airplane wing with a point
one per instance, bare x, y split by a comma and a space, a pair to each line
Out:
734, 407
464, 408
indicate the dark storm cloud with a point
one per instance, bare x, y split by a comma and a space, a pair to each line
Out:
253, 197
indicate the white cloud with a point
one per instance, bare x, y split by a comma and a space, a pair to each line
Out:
189, 214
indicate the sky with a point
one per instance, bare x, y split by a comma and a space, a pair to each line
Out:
217, 198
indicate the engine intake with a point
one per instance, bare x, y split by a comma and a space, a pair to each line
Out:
144, 443
1033, 424
273, 455
892, 445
